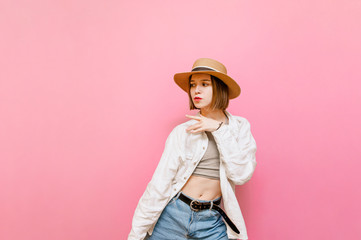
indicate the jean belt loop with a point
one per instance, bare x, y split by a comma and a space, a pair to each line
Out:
210, 209
177, 196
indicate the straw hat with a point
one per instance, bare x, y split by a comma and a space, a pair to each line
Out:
211, 67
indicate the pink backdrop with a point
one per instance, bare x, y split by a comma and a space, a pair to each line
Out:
87, 100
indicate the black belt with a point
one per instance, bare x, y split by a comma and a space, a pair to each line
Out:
195, 205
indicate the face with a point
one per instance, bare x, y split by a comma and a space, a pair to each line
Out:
201, 90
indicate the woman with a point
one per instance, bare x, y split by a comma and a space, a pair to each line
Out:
204, 158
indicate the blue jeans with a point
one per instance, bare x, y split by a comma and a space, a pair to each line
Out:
179, 222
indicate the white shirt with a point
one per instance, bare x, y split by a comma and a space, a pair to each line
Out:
182, 152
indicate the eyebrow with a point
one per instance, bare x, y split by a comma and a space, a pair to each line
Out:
204, 80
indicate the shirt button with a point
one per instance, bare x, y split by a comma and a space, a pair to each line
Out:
185, 177
194, 163
204, 148
175, 189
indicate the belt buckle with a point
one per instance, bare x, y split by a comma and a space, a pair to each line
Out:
196, 202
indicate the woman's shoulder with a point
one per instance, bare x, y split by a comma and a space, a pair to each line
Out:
239, 120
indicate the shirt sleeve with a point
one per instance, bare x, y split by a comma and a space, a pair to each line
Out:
158, 190
237, 153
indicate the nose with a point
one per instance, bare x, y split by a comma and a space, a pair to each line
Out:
197, 89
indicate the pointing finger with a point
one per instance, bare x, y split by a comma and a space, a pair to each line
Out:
194, 117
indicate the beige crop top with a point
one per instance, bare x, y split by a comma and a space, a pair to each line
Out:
209, 165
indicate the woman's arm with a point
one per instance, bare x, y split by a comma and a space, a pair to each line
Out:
158, 190
237, 153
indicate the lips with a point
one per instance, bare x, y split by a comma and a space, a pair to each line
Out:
197, 99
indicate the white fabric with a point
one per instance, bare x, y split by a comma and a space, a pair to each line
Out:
181, 155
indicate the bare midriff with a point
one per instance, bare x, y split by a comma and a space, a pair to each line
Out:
202, 188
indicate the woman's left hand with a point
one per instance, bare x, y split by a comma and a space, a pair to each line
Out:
203, 124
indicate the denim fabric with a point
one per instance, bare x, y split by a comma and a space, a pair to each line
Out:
179, 222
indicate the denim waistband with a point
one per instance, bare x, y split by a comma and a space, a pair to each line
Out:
177, 196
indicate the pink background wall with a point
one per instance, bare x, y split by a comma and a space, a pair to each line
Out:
87, 100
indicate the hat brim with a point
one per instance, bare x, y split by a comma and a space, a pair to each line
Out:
182, 80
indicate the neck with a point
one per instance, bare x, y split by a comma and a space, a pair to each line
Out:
217, 114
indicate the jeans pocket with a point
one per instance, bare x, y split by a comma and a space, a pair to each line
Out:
209, 214
214, 213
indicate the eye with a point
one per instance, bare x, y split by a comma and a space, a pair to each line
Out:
192, 84
205, 84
